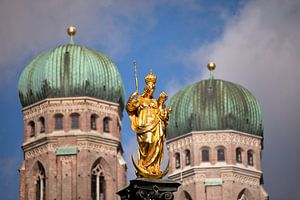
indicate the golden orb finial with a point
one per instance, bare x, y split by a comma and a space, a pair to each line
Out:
211, 66
71, 31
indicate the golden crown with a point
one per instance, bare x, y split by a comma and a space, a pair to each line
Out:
150, 78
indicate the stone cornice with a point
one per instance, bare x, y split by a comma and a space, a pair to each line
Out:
87, 141
228, 173
211, 132
210, 138
74, 104
69, 99
187, 171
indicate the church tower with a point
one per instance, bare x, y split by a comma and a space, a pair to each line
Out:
215, 141
72, 98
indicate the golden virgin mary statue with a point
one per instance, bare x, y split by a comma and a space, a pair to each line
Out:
149, 118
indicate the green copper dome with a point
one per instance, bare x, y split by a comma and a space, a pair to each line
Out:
214, 105
69, 71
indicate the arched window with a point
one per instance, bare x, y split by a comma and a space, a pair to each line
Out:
58, 121
221, 154
32, 128
93, 122
187, 157
42, 124
40, 183
98, 183
177, 160
74, 120
250, 158
205, 155
245, 195
238, 155
186, 195
106, 125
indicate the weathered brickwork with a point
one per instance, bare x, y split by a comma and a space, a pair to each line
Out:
63, 159
213, 179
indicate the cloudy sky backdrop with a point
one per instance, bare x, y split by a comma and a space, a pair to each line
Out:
255, 43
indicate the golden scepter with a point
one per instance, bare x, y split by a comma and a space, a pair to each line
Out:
136, 77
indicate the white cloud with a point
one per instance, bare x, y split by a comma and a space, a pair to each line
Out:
260, 50
172, 87
28, 27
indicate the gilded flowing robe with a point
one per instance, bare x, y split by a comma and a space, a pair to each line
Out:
144, 115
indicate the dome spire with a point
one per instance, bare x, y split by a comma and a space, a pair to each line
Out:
211, 67
71, 32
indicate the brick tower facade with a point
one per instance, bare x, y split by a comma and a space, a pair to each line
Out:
72, 98
72, 150
215, 142
217, 165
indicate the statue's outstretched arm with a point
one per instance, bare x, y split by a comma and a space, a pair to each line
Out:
132, 103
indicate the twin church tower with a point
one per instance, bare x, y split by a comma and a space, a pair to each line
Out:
73, 98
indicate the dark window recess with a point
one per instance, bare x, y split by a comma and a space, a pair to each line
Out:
40, 186
58, 122
94, 187
187, 196
93, 122
32, 129
42, 125
221, 155
187, 157
205, 155
38, 189
177, 160
250, 158
102, 187
98, 185
75, 121
106, 125
238, 155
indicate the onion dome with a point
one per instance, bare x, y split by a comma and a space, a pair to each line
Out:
68, 71
214, 105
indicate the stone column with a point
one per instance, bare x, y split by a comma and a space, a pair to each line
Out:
98, 187
41, 188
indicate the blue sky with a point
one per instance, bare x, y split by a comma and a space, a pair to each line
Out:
254, 43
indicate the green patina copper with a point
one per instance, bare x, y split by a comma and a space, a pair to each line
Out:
69, 71
214, 105
63, 151
213, 181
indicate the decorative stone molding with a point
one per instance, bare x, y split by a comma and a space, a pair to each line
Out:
240, 178
226, 139
50, 147
97, 147
200, 177
66, 160
66, 105
215, 139
188, 180
187, 177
